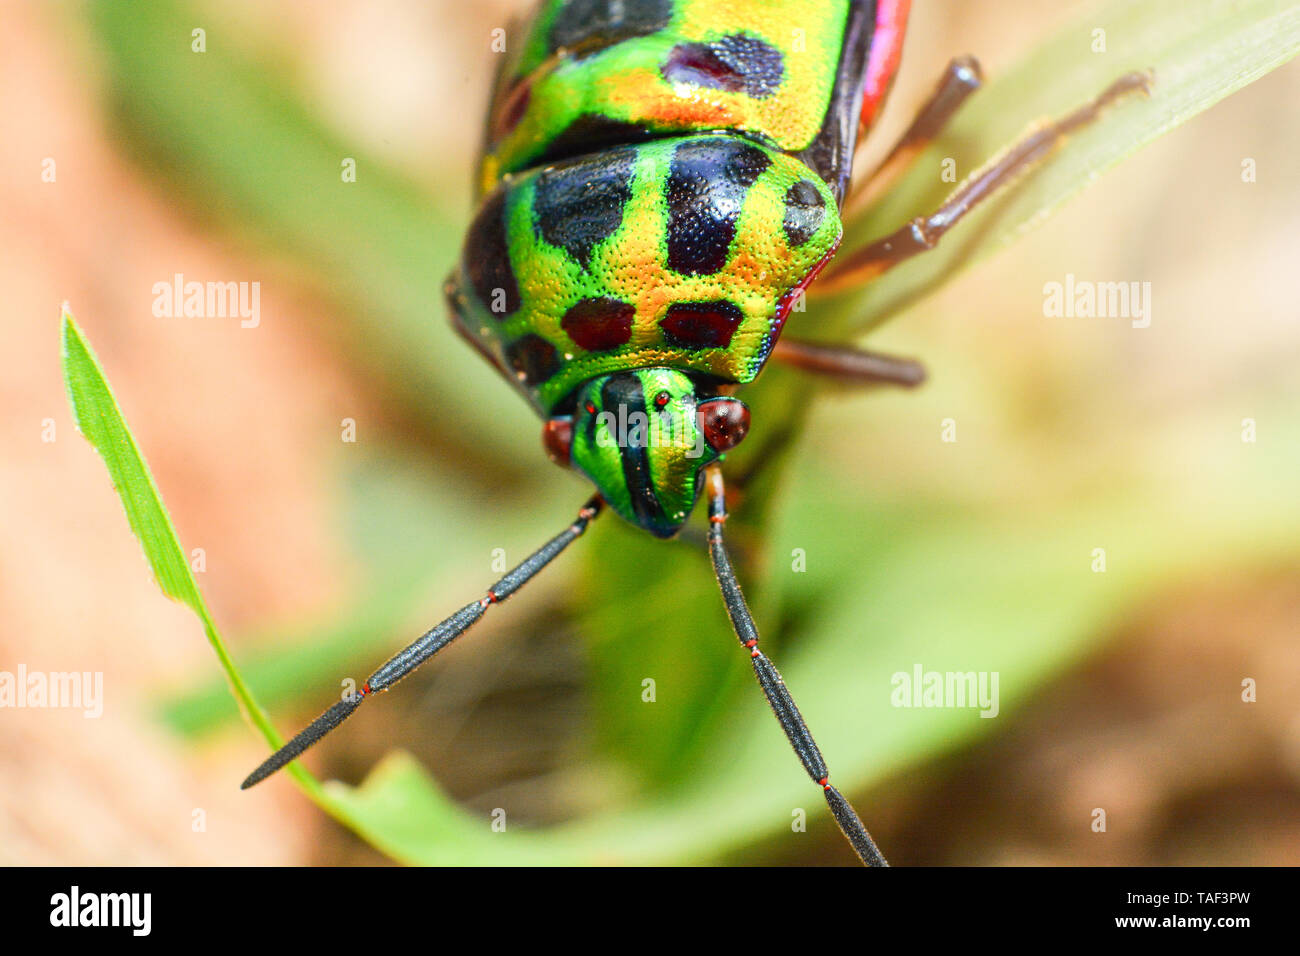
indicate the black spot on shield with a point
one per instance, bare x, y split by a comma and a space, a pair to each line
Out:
708, 181
591, 133
486, 257
533, 358
580, 204
585, 27
804, 211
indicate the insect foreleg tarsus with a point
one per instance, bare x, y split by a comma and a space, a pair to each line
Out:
961, 77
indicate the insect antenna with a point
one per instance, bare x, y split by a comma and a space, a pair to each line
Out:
769, 679
433, 640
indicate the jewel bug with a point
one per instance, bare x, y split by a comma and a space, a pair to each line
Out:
660, 182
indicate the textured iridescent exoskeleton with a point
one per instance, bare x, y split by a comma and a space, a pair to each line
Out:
661, 179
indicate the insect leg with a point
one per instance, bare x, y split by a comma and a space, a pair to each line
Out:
924, 232
429, 644
960, 79
848, 364
773, 686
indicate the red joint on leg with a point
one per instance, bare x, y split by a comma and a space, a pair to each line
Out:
751, 642
824, 783
718, 519
755, 652
365, 690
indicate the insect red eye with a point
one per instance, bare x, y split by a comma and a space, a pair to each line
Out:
724, 421
661, 400
557, 439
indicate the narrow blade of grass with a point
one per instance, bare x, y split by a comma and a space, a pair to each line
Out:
98, 418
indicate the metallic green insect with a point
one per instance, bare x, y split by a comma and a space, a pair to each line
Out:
661, 180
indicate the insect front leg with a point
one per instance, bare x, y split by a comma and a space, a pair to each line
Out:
961, 77
860, 367
850, 365
924, 232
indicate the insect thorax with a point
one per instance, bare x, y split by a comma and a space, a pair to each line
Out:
680, 253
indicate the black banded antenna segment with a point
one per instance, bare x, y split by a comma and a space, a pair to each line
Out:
769, 679
430, 643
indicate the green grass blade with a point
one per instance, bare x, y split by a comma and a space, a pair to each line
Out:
303, 663
98, 418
